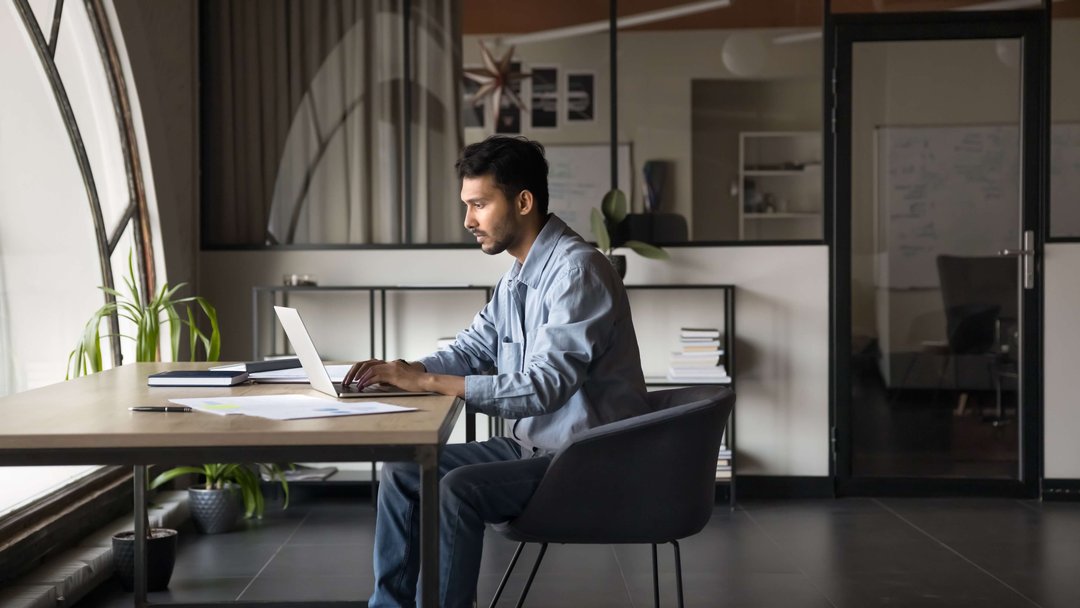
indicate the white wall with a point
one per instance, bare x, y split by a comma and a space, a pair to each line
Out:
1061, 414
781, 316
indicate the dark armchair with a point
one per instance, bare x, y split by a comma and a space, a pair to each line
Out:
648, 479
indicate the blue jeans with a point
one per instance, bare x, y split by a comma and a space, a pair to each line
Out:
480, 482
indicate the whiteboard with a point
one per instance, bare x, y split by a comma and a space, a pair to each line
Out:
943, 190
579, 175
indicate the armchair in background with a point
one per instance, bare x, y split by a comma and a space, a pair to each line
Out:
980, 298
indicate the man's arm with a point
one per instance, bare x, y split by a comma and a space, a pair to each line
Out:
578, 329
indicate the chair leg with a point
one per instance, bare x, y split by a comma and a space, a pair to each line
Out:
532, 575
506, 576
678, 571
655, 579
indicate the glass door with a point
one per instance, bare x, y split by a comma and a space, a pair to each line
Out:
937, 148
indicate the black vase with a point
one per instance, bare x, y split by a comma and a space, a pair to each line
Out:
619, 262
160, 558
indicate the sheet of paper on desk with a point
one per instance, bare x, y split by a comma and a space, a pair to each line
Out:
294, 375
287, 407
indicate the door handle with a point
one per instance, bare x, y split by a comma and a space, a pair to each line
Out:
1027, 258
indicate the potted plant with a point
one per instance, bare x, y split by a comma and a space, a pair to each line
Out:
229, 490
604, 220
147, 314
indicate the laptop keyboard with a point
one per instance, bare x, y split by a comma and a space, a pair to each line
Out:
371, 388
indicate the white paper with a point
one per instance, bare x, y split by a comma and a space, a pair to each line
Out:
287, 407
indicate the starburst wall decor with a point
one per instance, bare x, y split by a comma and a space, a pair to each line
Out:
496, 79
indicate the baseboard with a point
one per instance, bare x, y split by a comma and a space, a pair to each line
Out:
1061, 490
782, 486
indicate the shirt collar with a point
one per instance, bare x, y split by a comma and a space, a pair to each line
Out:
540, 252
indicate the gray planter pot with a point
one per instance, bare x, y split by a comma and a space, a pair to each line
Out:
215, 511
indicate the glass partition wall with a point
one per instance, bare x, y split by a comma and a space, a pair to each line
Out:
710, 120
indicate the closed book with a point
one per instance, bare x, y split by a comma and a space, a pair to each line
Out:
699, 332
196, 378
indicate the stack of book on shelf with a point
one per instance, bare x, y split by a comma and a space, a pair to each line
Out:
723, 463
699, 358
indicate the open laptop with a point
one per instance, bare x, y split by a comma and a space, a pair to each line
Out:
313, 365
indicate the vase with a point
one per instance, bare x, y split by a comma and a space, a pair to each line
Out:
160, 558
619, 262
215, 510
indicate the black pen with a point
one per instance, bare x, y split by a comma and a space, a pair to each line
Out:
160, 408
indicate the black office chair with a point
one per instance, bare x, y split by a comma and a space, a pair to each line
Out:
648, 479
980, 299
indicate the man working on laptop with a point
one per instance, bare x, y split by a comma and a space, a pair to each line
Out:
558, 334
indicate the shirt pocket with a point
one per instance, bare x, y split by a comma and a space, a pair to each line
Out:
510, 357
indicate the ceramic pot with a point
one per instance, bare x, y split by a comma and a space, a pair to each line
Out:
619, 262
215, 510
160, 558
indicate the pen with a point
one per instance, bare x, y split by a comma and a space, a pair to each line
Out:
162, 408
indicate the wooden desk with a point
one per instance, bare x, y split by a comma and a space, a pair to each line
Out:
86, 421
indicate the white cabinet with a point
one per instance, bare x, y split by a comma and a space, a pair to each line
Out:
780, 186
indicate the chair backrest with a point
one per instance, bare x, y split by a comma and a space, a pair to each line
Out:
646, 479
976, 292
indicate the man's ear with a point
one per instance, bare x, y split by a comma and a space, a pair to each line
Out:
525, 202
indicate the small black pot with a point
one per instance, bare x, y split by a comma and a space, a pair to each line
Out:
619, 262
160, 558
215, 511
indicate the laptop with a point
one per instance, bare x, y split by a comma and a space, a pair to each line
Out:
313, 365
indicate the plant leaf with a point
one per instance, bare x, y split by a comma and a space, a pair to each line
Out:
614, 206
646, 250
599, 230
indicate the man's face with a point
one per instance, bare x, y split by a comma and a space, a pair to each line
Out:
492, 219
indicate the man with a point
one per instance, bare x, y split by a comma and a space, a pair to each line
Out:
559, 337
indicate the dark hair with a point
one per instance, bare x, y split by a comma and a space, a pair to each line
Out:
516, 164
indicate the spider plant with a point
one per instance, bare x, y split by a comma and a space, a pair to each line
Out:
244, 477
147, 314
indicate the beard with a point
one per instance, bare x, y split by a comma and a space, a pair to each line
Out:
498, 239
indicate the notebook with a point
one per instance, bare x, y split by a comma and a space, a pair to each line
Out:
313, 365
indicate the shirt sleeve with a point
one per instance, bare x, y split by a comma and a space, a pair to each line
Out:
474, 349
580, 320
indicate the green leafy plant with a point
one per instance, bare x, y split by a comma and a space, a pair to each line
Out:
612, 211
147, 313
244, 477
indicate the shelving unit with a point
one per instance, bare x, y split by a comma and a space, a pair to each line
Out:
780, 185
666, 336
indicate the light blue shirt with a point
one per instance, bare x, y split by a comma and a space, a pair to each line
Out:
559, 336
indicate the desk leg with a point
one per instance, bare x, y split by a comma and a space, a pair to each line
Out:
428, 459
140, 535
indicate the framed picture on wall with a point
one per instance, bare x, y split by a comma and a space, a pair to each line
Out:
580, 96
544, 101
471, 115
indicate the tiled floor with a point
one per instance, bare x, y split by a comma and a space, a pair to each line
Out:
849, 553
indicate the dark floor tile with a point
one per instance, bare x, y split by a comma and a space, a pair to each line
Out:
301, 562
212, 559
309, 588
732, 590
945, 587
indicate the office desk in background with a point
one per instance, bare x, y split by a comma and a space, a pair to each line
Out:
86, 421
